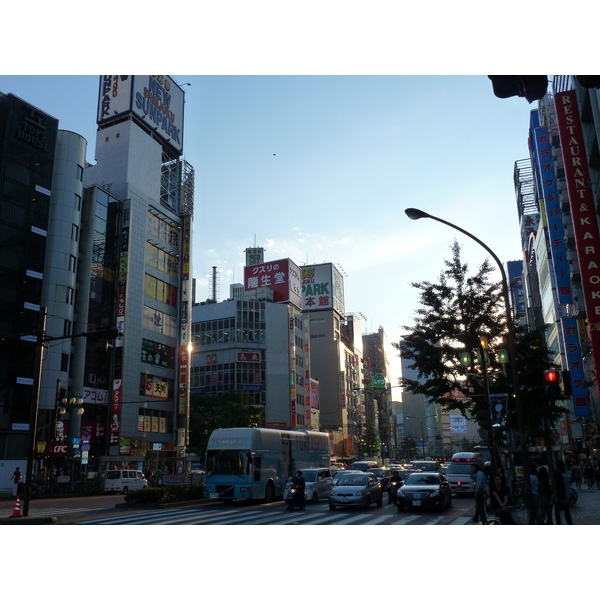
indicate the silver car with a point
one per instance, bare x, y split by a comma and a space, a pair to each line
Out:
356, 489
318, 483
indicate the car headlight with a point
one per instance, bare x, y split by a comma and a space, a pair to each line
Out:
400, 492
361, 493
435, 493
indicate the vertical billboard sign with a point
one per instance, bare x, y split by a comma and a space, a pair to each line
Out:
184, 367
515, 277
322, 288
556, 229
575, 365
155, 99
281, 276
583, 212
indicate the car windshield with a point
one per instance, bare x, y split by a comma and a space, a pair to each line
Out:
309, 476
377, 472
356, 479
226, 462
422, 479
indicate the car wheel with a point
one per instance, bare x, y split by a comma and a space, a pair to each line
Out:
331, 507
368, 503
269, 493
125, 489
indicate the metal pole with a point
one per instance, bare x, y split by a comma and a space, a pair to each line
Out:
415, 213
35, 402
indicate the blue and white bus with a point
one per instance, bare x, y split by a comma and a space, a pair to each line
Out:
253, 463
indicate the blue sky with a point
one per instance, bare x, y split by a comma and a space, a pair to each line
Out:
321, 168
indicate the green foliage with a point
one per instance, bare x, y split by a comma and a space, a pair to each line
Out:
368, 445
407, 448
459, 303
165, 494
232, 409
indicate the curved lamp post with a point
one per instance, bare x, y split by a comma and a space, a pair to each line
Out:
415, 214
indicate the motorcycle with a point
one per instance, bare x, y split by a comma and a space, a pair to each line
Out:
296, 496
392, 490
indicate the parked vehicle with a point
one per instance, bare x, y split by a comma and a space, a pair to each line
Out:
424, 490
318, 483
124, 480
254, 463
356, 489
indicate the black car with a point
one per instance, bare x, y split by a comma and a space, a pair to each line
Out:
424, 490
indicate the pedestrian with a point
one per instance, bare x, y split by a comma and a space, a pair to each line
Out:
576, 473
16, 478
478, 476
535, 496
588, 473
499, 500
563, 485
545, 492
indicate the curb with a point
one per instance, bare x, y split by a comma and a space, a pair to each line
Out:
29, 521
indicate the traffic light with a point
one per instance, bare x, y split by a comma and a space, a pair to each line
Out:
552, 384
530, 87
588, 81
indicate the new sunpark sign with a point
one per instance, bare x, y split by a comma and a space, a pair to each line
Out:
156, 100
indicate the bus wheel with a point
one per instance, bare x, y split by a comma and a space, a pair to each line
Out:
270, 493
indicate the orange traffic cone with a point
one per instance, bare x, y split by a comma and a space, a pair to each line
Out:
17, 509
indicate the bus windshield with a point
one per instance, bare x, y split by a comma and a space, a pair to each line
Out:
226, 462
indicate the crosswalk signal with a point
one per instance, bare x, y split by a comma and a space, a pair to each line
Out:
552, 384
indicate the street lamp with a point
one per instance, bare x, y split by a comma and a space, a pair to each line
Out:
415, 214
422, 433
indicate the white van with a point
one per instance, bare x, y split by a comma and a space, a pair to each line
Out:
124, 480
459, 472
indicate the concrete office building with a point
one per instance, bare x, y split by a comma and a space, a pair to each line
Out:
139, 147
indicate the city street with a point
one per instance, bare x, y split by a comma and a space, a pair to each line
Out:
268, 514
111, 510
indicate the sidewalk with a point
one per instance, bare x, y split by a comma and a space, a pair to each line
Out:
585, 512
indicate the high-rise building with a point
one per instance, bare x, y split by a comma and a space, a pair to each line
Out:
28, 145
94, 247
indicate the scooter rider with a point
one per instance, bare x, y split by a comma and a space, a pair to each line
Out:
300, 482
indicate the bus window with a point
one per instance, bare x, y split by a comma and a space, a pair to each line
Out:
257, 468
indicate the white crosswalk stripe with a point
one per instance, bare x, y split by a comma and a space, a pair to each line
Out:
273, 514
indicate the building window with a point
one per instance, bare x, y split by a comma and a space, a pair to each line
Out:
68, 328
80, 172
75, 233
72, 263
70, 295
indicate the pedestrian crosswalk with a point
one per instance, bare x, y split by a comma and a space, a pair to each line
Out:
275, 514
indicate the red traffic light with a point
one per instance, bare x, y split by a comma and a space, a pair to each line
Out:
551, 376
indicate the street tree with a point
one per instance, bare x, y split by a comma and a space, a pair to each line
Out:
368, 444
462, 303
